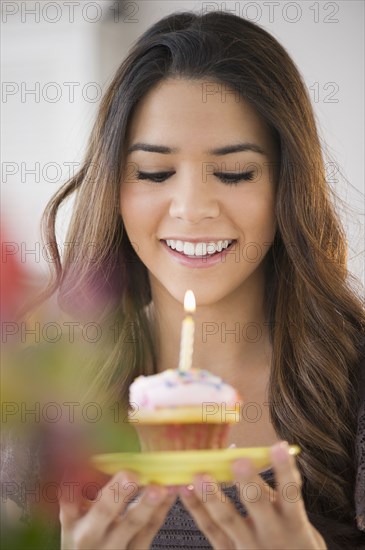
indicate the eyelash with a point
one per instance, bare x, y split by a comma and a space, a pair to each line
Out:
228, 179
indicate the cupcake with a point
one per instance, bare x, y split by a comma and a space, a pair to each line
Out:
182, 409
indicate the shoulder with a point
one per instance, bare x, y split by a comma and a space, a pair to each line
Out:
361, 392
360, 447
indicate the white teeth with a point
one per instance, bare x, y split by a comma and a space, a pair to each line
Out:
212, 247
188, 249
179, 246
201, 249
198, 249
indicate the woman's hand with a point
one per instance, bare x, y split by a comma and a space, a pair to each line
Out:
276, 519
107, 523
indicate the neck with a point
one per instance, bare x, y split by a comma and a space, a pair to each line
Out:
231, 335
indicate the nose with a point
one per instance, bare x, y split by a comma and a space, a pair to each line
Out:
193, 198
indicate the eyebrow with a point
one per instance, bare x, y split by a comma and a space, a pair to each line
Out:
220, 151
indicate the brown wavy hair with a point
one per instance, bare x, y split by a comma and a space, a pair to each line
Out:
316, 313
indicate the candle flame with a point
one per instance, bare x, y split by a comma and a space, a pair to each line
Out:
189, 301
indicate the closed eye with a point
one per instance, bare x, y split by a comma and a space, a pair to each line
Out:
157, 177
230, 178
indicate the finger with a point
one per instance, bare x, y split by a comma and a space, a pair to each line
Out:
214, 533
224, 513
255, 494
137, 518
145, 537
262, 487
79, 484
111, 501
71, 503
289, 482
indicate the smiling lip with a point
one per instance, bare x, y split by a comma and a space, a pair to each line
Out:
196, 262
200, 240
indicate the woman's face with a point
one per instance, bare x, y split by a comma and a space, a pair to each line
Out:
191, 201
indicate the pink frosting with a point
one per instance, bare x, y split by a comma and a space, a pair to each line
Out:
176, 388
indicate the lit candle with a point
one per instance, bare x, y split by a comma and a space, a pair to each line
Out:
187, 332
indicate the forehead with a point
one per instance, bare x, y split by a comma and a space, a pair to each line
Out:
196, 115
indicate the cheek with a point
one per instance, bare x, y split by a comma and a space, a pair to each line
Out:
131, 202
255, 215
266, 218
263, 226
140, 213
129, 208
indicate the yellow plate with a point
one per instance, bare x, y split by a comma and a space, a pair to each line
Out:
179, 467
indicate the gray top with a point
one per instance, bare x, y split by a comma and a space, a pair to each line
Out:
179, 529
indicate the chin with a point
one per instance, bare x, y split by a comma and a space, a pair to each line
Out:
205, 295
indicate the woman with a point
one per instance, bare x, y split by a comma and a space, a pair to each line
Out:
207, 135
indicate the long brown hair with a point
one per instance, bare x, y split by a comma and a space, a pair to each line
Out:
316, 314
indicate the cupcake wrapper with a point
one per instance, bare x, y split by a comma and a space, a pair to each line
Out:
179, 437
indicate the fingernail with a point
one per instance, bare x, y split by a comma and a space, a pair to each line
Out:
154, 494
187, 490
202, 478
280, 451
127, 477
242, 466
172, 490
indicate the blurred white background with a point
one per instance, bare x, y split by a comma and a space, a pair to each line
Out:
57, 58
